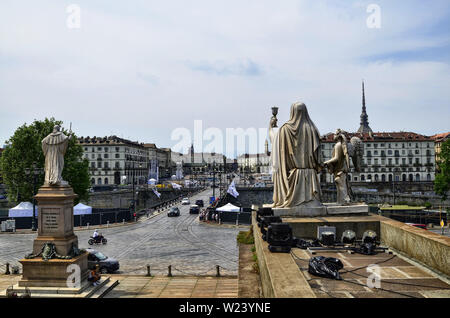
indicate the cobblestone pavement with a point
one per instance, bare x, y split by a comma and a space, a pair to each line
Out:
192, 248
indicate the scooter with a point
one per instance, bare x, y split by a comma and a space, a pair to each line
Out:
97, 240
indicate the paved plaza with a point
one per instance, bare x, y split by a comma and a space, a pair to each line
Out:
190, 246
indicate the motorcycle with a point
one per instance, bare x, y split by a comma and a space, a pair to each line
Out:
97, 240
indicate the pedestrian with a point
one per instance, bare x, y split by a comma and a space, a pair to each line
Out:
94, 275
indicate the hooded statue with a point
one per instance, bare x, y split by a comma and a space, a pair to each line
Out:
295, 160
54, 147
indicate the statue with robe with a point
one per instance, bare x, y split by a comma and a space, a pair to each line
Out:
296, 160
54, 147
339, 164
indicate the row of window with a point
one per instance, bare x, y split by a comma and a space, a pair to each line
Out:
384, 178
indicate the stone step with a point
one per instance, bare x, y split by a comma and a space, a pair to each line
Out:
100, 293
85, 291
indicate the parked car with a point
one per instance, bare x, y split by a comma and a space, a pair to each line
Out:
106, 264
200, 203
2, 197
420, 226
195, 209
185, 201
174, 211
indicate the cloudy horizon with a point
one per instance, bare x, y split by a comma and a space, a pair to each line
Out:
141, 69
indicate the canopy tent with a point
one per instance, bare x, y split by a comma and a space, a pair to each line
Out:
151, 181
23, 209
229, 208
81, 209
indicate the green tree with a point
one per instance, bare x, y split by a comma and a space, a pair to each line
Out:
442, 180
24, 148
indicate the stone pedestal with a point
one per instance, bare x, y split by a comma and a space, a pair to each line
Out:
55, 226
323, 210
52, 273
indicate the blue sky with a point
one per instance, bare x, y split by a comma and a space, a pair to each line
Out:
139, 69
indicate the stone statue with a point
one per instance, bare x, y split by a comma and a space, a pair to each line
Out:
295, 160
54, 147
339, 164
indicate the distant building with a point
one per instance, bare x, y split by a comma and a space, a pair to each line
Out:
254, 163
439, 139
113, 160
388, 156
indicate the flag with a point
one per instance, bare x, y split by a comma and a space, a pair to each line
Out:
232, 190
156, 192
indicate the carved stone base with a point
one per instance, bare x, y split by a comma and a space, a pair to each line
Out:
325, 209
351, 209
62, 245
51, 273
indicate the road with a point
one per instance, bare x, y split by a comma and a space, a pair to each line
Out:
190, 246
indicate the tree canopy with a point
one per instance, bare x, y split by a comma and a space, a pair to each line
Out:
24, 148
442, 180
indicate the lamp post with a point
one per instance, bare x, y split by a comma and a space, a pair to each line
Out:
34, 173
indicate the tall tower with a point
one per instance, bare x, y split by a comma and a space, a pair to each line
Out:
364, 126
192, 153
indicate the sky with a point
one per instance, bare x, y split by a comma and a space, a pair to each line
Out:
140, 69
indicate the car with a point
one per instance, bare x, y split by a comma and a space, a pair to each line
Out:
2, 197
200, 203
185, 201
174, 211
420, 226
106, 264
195, 209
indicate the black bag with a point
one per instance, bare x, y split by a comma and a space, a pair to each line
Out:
327, 267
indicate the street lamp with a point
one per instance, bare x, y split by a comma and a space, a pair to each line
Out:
34, 173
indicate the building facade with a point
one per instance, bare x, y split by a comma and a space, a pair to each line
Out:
439, 139
388, 157
113, 160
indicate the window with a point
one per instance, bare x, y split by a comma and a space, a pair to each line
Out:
106, 180
99, 181
117, 165
117, 155
99, 164
106, 165
106, 156
92, 181
106, 149
389, 152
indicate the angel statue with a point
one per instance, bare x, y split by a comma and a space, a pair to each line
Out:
339, 164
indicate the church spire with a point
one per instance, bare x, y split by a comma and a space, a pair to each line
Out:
364, 125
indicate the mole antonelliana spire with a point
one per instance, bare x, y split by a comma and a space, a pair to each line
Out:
364, 127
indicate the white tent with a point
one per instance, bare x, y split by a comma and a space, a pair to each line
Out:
81, 208
229, 208
23, 209
151, 181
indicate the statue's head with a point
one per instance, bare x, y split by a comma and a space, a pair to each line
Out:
339, 135
56, 128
